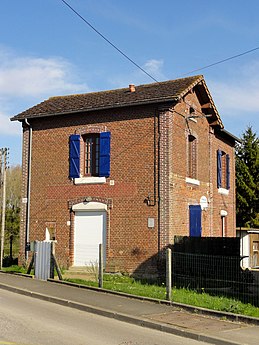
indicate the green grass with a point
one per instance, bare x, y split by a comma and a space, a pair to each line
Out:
129, 285
219, 303
15, 269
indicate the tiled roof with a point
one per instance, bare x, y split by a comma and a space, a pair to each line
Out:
144, 94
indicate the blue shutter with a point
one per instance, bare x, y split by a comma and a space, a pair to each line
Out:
227, 172
74, 156
219, 168
105, 149
195, 220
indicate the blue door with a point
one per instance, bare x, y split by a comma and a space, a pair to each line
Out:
195, 220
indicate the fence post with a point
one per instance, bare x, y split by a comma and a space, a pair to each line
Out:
100, 275
168, 274
52, 253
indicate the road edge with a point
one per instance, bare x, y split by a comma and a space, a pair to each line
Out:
123, 317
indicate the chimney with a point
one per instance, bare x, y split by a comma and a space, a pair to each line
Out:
132, 88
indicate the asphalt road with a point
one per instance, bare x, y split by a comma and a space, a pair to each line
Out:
28, 321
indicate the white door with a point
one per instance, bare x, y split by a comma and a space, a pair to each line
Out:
90, 231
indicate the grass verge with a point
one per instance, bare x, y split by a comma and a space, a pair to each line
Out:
131, 286
15, 269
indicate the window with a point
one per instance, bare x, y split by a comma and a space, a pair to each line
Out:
192, 157
223, 225
94, 154
223, 171
91, 154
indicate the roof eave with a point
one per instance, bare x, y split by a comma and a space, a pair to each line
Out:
228, 134
213, 105
121, 105
191, 86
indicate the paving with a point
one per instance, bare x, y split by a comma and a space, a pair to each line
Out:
194, 323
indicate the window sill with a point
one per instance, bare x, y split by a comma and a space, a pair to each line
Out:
90, 180
223, 191
192, 181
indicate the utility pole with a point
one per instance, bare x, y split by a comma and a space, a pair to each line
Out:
3, 168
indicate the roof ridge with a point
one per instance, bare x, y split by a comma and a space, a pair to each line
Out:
168, 90
126, 88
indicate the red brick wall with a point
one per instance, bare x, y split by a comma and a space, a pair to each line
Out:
149, 149
132, 169
223, 202
184, 194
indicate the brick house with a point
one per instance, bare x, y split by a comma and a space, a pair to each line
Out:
129, 168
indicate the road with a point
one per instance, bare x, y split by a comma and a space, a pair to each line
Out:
28, 321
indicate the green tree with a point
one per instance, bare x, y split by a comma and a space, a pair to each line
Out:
247, 180
13, 200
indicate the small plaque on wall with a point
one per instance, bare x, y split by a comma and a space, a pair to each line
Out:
151, 222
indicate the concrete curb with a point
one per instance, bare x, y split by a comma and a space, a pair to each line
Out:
189, 308
18, 274
123, 317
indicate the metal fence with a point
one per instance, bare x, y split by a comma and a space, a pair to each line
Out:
215, 275
42, 256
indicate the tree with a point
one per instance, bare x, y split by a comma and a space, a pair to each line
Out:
13, 200
247, 180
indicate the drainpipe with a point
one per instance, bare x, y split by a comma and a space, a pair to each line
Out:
158, 184
27, 229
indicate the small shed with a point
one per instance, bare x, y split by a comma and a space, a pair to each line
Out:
249, 247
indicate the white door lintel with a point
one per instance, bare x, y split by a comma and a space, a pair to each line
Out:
90, 206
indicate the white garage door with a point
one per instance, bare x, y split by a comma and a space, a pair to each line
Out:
90, 231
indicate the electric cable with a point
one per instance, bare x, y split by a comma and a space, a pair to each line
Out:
142, 69
109, 42
218, 62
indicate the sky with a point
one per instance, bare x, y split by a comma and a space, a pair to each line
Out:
46, 50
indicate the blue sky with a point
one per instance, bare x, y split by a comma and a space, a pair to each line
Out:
45, 50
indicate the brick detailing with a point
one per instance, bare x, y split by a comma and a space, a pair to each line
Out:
91, 129
78, 200
186, 192
23, 211
165, 127
149, 168
71, 239
211, 176
130, 242
224, 202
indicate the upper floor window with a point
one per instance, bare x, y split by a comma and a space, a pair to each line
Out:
223, 170
94, 154
91, 154
192, 157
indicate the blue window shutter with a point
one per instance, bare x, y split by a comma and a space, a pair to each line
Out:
227, 172
74, 156
219, 168
105, 154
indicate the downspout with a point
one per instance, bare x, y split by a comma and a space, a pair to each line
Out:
27, 229
158, 187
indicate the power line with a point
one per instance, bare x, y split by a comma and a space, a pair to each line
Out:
109, 42
142, 69
115, 47
219, 62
